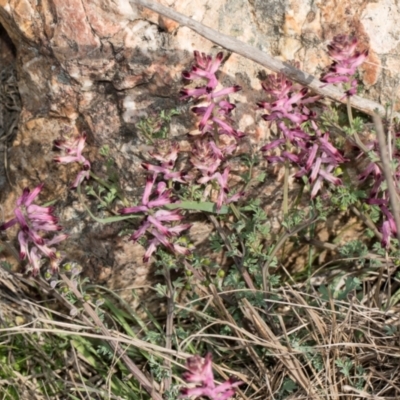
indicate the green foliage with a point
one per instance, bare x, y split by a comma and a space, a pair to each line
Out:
390, 330
345, 366
288, 387
220, 301
343, 197
104, 196
294, 218
354, 248
250, 161
156, 126
333, 291
356, 127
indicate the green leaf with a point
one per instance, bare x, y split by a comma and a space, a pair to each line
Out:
84, 348
120, 316
206, 206
325, 293
289, 386
108, 220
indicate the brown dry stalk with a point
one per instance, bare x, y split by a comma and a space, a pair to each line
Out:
133, 368
292, 364
238, 262
387, 172
252, 53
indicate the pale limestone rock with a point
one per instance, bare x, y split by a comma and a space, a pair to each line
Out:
101, 65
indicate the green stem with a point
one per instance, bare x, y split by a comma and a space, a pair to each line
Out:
311, 229
357, 139
349, 112
109, 187
286, 189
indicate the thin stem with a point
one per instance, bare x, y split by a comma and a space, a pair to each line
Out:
281, 241
169, 324
391, 133
236, 259
349, 111
109, 187
387, 171
357, 139
286, 189
311, 248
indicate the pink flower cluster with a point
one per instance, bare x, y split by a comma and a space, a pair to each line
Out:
310, 150
379, 195
207, 158
72, 149
319, 160
346, 61
166, 153
34, 221
286, 100
215, 114
215, 123
157, 221
200, 372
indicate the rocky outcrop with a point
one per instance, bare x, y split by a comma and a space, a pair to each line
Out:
100, 66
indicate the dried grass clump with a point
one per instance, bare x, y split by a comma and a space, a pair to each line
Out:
301, 347
292, 343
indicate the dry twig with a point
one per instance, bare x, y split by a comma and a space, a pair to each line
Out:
252, 53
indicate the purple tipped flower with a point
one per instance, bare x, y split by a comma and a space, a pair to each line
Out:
388, 228
157, 222
222, 181
206, 157
346, 61
200, 373
34, 221
72, 149
286, 100
163, 197
166, 153
215, 113
287, 106
318, 160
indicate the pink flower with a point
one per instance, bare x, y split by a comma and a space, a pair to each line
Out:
286, 100
166, 153
163, 197
318, 159
215, 113
206, 156
388, 228
222, 181
72, 149
287, 107
33, 220
200, 372
373, 171
314, 154
205, 68
346, 61
157, 222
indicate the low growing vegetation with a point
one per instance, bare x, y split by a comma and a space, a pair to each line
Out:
241, 320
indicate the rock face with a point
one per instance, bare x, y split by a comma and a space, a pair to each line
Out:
101, 65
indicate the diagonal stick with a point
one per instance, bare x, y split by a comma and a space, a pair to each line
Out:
252, 53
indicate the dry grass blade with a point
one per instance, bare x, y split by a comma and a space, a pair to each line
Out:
294, 368
226, 316
136, 372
